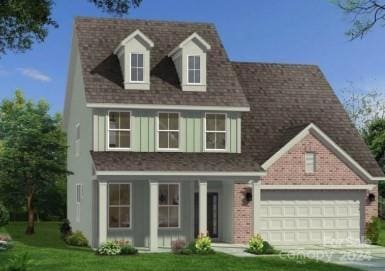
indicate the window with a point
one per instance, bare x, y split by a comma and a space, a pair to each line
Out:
215, 130
194, 69
310, 162
169, 205
77, 140
119, 205
137, 67
168, 131
79, 196
119, 130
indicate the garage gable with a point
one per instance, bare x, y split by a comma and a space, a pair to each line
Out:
330, 167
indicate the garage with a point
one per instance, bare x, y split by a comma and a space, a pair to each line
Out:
311, 217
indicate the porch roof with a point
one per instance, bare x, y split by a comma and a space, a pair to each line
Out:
175, 162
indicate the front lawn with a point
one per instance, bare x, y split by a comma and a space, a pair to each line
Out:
50, 253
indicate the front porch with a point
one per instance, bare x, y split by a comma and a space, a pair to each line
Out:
160, 211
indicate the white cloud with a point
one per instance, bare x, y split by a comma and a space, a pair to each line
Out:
35, 74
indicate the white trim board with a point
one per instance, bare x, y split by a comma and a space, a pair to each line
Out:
133, 35
180, 173
191, 37
168, 107
318, 187
314, 130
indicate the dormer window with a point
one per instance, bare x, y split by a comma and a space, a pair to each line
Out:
190, 60
194, 69
134, 58
137, 67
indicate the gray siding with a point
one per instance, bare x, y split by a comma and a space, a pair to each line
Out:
81, 166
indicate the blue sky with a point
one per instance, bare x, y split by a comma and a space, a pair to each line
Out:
295, 31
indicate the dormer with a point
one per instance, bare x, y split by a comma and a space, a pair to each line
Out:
134, 58
190, 59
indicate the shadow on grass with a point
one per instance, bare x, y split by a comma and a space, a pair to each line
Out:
47, 235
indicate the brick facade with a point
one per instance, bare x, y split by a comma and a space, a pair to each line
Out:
290, 170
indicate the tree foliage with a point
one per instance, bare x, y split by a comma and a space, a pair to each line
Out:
366, 14
24, 22
363, 106
32, 154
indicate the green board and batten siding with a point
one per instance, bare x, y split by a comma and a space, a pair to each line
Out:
143, 130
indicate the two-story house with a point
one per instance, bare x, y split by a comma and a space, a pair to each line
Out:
168, 138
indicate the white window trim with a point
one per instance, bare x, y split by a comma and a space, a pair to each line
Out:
78, 199
312, 168
200, 71
108, 208
179, 207
77, 140
157, 132
108, 131
130, 68
205, 132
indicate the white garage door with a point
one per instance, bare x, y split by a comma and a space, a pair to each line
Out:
310, 221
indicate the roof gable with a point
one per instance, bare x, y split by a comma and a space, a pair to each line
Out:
327, 142
137, 34
284, 99
194, 37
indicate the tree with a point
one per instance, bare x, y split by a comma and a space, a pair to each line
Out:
363, 106
32, 154
374, 136
23, 22
366, 14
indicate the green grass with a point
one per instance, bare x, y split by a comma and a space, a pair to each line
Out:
48, 253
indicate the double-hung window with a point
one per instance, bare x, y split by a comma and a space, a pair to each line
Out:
194, 69
215, 132
168, 131
79, 196
137, 67
119, 130
119, 205
169, 205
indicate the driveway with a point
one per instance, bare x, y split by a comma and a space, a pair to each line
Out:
364, 257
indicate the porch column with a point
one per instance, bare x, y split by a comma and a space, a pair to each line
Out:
256, 190
202, 207
154, 196
103, 212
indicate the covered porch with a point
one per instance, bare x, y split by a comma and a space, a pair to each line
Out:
162, 209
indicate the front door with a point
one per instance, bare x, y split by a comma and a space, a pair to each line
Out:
212, 214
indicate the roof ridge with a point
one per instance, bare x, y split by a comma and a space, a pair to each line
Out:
271, 63
77, 18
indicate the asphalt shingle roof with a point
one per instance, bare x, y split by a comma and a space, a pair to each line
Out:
154, 161
103, 79
283, 100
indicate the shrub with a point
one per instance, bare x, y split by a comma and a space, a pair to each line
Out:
109, 248
5, 242
258, 246
4, 215
127, 249
77, 239
19, 263
373, 231
177, 246
203, 245
65, 228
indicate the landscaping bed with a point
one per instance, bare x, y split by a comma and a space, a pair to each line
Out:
49, 252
